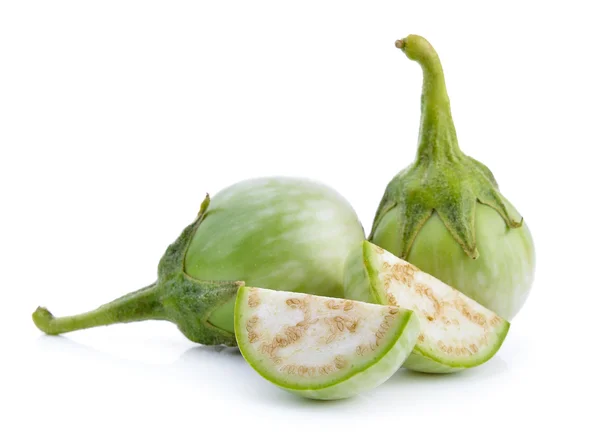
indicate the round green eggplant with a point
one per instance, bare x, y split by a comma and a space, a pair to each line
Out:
445, 214
280, 233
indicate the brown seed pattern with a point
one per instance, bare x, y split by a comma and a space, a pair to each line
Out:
253, 299
474, 317
268, 349
391, 299
465, 310
251, 324
404, 273
425, 291
379, 249
337, 325
387, 281
384, 326
311, 371
294, 333
483, 340
361, 349
340, 362
294, 303
352, 325
495, 320
458, 350
290, 334
332, 304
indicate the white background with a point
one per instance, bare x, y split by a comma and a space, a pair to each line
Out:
117, 116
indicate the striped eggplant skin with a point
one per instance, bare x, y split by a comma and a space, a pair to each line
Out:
280, 233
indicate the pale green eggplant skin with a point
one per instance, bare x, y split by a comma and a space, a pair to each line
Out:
456, 333
284, 233
500, 278
445, 212
322, 348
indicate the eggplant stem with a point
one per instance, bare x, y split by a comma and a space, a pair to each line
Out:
143, 304
437, 135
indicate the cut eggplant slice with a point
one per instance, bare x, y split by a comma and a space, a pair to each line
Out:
321, 347
456, 332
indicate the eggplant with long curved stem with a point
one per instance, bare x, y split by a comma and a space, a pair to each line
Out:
287, 234
445, 214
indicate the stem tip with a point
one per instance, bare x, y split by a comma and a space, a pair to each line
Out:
204, 205
400, 44
42, 319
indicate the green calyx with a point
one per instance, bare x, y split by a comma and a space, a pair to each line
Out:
442, 178
174, 297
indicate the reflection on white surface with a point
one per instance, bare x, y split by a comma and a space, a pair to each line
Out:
224, 372
146, 382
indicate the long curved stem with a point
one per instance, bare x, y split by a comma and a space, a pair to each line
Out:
437, 135
143, 304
